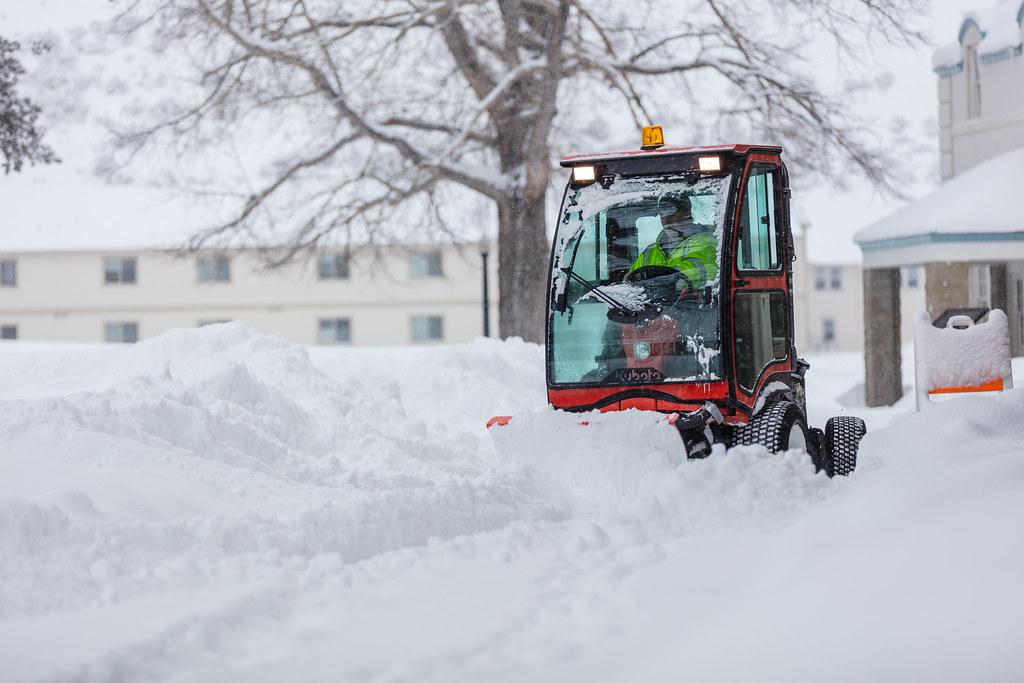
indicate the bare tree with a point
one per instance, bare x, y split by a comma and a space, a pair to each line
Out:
376, 105
21, 139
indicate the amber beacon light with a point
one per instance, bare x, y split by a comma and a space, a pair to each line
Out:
652, 137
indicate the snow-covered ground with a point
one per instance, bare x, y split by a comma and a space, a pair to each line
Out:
215, 505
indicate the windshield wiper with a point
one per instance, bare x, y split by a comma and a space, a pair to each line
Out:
603, 296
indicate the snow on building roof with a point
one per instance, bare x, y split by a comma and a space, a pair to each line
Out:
1002, 31
981, 202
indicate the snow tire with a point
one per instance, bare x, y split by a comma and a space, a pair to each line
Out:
772, 428
842, 440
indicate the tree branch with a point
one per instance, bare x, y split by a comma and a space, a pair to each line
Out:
480, 183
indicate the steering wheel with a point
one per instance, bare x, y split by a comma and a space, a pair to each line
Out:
651, 273
659, 283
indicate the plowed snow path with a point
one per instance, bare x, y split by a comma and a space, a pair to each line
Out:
215, 505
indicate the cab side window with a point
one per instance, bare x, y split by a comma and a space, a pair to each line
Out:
761, 334
758, 244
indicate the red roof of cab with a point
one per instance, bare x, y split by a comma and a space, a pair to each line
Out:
630, 153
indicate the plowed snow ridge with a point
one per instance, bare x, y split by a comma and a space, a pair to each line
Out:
219, 505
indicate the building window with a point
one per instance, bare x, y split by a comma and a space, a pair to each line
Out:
333, 267
214, 268
8, 332
425, 264
214, 321
8, 272
123, 333
335, 331
973, 81
911, 277
820, 278
979, 286
427, 328
828, 331
119, 271
835, 279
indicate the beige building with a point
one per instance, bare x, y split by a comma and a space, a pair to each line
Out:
414, 295
425, 294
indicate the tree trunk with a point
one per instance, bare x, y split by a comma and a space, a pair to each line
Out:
524, 154
522, 268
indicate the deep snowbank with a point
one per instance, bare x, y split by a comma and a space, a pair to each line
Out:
217, 505
201, 455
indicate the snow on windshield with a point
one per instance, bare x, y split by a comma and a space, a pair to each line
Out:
630, 296
707, 197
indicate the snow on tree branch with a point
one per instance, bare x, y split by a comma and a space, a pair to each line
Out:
21, 139
461, 98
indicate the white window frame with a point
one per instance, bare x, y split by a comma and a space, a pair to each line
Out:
119, 269
429, 259
820, 278
333, 266
828, 325
422, 328
214, 270
912, 277
334, 325
9, 265
979, 285
122, 325
972, 78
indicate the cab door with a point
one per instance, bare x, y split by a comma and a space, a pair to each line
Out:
761, 302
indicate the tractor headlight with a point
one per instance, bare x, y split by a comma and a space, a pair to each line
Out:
709, 164
582, 175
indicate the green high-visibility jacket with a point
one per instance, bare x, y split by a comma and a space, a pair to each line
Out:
695, 258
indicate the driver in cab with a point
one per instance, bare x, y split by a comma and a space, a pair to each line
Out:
683, 245
675, 270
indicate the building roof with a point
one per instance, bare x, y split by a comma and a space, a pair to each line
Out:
1002, 36
980, 204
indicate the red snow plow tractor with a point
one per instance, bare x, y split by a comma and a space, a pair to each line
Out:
671, 292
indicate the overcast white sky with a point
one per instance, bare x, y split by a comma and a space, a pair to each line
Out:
833, 214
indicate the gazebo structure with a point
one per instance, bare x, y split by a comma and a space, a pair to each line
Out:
969, 233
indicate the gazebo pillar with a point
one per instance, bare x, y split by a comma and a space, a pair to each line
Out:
946, 286
883, 372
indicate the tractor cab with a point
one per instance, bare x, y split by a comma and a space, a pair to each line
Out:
671, 282
671, 294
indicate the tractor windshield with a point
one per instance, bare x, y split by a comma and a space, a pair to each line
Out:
636, 282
